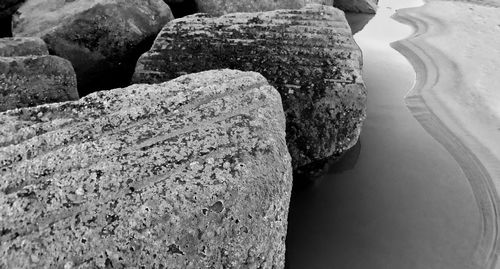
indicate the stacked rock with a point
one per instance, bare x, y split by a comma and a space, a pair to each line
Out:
101, 38
30, 77
189, 170
309, 55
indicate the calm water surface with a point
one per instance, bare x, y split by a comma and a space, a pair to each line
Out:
398, 200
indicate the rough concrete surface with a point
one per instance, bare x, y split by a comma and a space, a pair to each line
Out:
192, 173
220, 7
30, 77
309, 55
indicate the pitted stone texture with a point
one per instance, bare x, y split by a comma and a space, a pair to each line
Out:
192, 173
359, 6
35, 80
309, 55
101, 38
22, 46
220, 7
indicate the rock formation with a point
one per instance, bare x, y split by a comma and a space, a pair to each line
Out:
309, 55
101, 38
359, 6
192, 173
30, 77
220, 7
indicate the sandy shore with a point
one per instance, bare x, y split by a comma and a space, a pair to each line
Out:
455, 51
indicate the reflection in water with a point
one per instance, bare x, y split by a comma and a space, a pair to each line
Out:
401, 201
312, 180
348, 161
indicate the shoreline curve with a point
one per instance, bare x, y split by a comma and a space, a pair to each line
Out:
477, 162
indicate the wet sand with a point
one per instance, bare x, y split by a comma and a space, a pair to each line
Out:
455, 51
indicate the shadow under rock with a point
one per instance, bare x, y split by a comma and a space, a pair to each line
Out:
182, 8
5, 26
313, 179
347, 162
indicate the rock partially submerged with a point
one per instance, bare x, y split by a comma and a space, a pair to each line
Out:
101, 38
192, 173
30, 77
359, 6
220, 7
309, 55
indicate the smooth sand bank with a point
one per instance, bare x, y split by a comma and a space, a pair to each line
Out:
455, 51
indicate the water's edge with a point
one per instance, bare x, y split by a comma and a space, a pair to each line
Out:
421, 57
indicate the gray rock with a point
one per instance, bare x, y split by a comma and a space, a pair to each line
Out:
220, 7
35, 78
192, 173
309, 55
360, 6
101, 38
24, 46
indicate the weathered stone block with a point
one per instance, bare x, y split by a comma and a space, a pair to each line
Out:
220, 7
309, 55
192, 173
33, 78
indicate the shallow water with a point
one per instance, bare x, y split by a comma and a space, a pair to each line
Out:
397, 200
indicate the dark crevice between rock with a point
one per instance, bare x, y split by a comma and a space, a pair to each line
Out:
183, 8
5, 26
174, 249
106, 76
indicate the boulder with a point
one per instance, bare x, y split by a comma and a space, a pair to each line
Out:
309, 55
358, 6
25, 46
192, 173
30, 77
101, 38
220, 7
